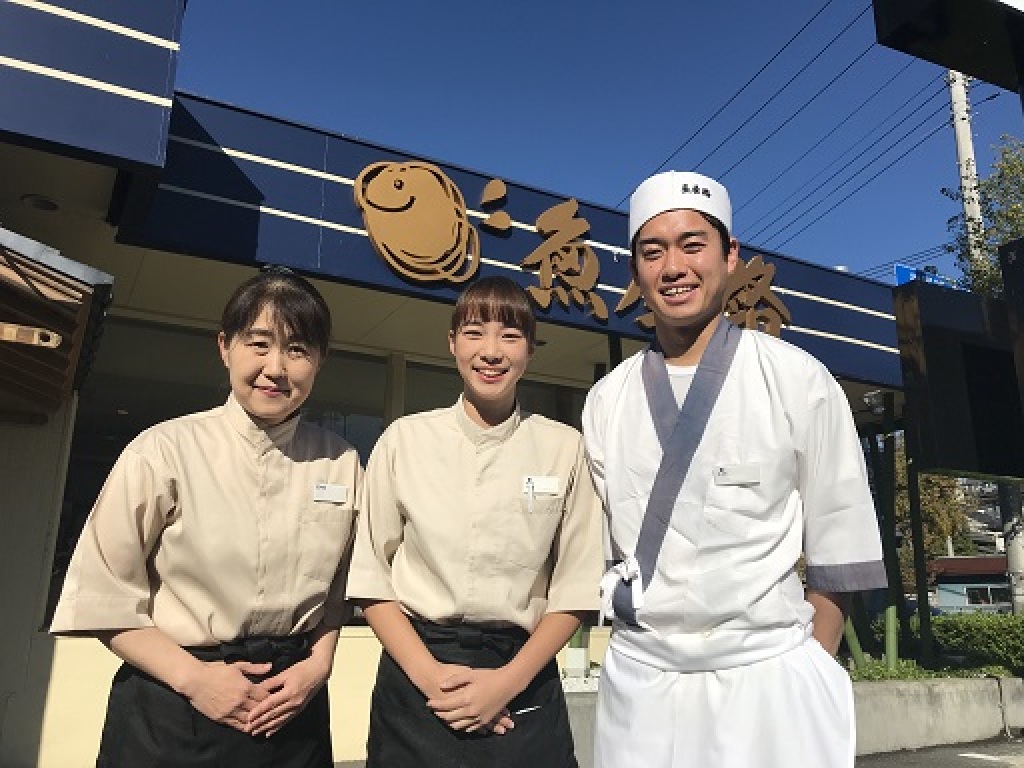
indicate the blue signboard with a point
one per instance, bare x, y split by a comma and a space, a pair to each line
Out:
905, 274
251, 189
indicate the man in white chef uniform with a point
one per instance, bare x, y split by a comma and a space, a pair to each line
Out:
721, 456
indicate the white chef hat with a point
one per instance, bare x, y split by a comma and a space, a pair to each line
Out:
675, 190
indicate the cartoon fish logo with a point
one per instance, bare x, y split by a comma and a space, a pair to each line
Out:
416, 218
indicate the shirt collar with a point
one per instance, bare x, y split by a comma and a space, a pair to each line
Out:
262, 437
479, 435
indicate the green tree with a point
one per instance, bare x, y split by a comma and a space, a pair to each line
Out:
944, 507
1001, 196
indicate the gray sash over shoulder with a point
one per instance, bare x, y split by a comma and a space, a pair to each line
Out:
679, 432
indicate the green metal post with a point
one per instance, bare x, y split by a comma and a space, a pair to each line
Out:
891, 636
853, 643
579, 637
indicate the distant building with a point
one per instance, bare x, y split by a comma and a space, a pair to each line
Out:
975, 583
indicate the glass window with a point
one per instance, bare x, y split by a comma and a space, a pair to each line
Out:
348, 398
536, 397
428, 387
1000, 594
978, 596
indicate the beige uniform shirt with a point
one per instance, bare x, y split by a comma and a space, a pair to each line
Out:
487, 526
212, 528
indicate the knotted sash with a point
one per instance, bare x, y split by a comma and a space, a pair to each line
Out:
679, 432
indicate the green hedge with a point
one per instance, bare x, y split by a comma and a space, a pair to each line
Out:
907, 669
982, 638
972, 639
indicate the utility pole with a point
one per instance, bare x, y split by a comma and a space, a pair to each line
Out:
961, 109
1009, 515
1009, 494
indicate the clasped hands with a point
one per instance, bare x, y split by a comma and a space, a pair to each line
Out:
465, 699
225, 694
472, 700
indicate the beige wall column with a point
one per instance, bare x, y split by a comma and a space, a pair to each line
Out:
394, 398
33, 466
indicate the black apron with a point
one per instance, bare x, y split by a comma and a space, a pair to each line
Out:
149, 725
405, 733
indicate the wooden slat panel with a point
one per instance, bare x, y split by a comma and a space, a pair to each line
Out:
53, 286
33, 294
51, 312
45, 397
35, 361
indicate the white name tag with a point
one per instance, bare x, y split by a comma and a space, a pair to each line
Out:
737, 474
541, 485
330, 492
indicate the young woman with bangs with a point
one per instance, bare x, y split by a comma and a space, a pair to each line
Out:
478, 548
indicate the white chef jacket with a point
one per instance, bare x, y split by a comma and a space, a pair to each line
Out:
778, 472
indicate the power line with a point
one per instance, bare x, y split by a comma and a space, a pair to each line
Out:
789, 82
882, 125
733, 98
804, 214
922, 261
855, 111
873, 177
793, 116
798, 216
911, 260
928, 253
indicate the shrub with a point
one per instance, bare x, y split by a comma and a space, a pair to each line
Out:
907, 669
982, 638
971, 639
877, 670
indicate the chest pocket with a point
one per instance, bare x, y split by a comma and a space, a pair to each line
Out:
531, 526
734, 500
741, 486
325, 530
547, 504
542, 494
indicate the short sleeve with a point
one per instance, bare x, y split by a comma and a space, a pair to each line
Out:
841, 540
107, 583
593, 439
378, 530
578, 562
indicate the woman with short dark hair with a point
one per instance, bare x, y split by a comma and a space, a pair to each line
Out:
214, 559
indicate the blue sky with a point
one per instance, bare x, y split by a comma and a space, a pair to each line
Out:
585, 99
